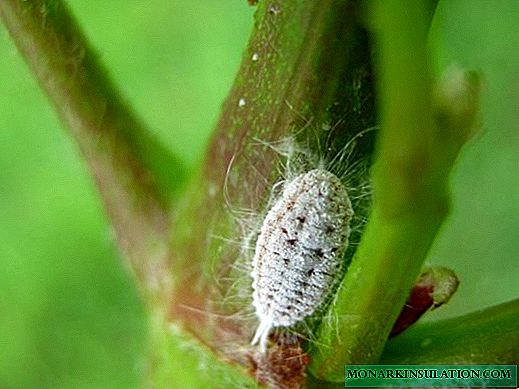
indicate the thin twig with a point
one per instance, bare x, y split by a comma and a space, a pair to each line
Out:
122, 156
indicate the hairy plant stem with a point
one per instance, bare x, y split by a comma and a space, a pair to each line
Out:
307, 67
135, 175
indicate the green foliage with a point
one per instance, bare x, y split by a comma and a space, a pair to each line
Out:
69, 314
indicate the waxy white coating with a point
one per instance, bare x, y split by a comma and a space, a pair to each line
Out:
299, 251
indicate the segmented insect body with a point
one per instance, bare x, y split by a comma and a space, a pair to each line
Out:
299, 250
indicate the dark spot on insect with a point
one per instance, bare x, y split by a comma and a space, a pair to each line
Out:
319, 252
334, 249
284, 230
291, 242
310, 272
277, 253
270, 297
286, 260
299, 293
289, 308
301, 219
329, 229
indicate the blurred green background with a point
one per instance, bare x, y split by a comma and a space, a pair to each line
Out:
69, 314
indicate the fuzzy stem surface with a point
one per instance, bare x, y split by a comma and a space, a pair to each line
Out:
307, 67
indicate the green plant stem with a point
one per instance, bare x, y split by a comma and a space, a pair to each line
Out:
128, 165
307, 67
410, 177
487, 336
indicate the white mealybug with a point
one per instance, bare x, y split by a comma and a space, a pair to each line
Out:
299, 251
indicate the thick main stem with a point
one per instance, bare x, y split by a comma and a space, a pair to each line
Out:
125, 161
307, 68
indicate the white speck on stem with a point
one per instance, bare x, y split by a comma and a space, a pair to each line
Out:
326, 127
299, 251
255, 57
241, 102
274, 8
